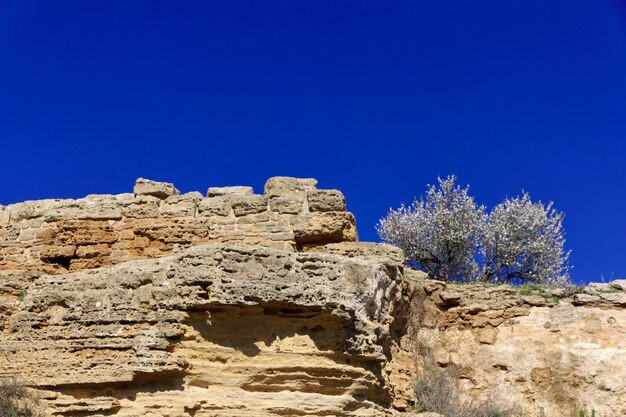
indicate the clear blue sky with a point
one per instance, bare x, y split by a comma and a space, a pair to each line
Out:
375, 98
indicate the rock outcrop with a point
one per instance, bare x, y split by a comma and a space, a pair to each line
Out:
166, 304
158, 303
549, 351
57, 236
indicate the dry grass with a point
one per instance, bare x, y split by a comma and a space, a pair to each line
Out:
17, 401
437, 391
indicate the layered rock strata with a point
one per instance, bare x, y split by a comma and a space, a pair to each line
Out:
159, 303
552, 352
251, 327
220, 330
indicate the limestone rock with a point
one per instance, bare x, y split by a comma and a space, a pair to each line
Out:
219, 329
48, 235
326, 200
162, 304
619, 284
289, 185
154, 188
226, 191
286, 204
4, 216
540, 354
325, 227
362, 249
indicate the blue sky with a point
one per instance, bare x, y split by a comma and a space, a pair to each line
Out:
374, 98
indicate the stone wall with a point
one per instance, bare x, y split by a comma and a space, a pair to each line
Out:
101, 230
549, 351
158, 303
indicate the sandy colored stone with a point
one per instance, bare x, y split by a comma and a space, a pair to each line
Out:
154, 188
619, 284
243, 205
326, 200
220, 329
487, 335
289, 185
226, 191
361, 249
321, 228
548, 357
286, 204
4, 216
177, 206
240, 305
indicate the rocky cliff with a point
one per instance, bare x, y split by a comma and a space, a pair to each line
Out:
158, 303
551, 351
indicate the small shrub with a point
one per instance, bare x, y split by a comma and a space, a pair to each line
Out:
437, 392
583, 413
17, 401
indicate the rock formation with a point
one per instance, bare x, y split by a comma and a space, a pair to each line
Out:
549, 351
158, 303
167, 304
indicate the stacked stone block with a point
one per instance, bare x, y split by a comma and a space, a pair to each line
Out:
156, 219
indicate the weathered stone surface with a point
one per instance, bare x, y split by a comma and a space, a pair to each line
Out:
289, 185
158, 221
326, 200
248, 205
329, 227
226, 191
619, 284
361, 249
551, 356
247, 305
219, 329
286, 204
154, 188
4, 216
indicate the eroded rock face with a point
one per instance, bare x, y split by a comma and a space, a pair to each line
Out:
158, 303
550, 353
57, 236
221, 330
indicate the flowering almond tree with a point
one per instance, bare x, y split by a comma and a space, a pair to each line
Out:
439, 233
523, 242
450, 237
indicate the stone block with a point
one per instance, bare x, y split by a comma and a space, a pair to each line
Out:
180, 205
325, 227
487, 335
286, 204
99, 210
57, 251
9, 234
29, 209
142, 207
154, 188
93, 251
326, 200
215, 206
226, 191
289, 185
244, 205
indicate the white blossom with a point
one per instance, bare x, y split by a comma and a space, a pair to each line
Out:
523, 242
450, 237
438, 234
